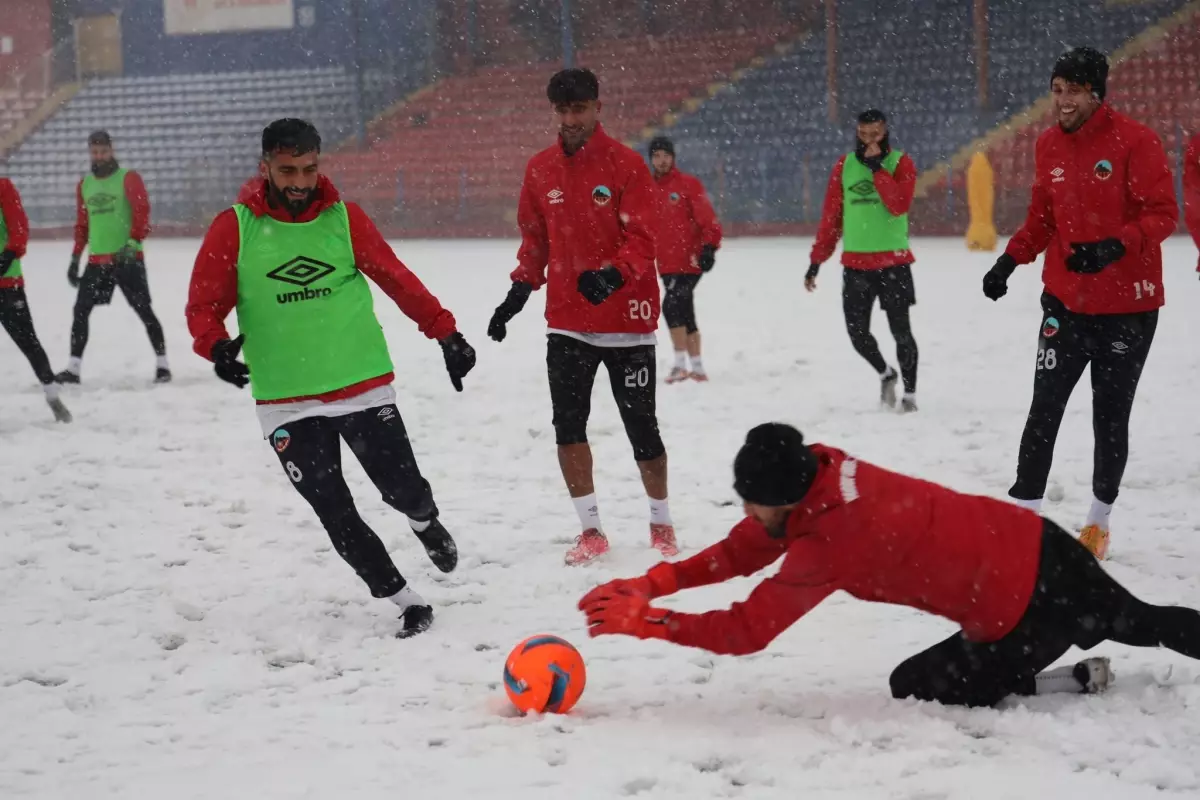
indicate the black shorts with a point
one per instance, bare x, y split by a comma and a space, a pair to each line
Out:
571, 366
892, 285
678, 306
100, 280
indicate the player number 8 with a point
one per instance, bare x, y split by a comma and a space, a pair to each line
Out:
293, 472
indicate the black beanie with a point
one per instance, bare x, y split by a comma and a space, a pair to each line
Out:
100, 138
774, 466
1085, 67
662, 143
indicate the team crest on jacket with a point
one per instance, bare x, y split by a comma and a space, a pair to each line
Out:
1103, 169
673, 197
282, 440
601, 195
1050, 328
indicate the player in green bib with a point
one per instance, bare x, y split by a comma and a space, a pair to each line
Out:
112, 219
293, 260
866, 205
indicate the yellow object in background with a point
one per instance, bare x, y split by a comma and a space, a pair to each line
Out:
981, 198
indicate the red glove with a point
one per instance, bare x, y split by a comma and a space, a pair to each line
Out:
660, 581
628, 614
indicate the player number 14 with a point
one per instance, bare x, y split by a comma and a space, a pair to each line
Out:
1143, 289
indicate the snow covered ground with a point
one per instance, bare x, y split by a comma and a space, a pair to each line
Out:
174, 622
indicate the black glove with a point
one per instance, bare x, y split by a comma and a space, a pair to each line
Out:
6, 261
995, 282
73, 272
460, 358
224, 355
126, 256
512, 305
874, 163
597, 284
1091, 257
707, 259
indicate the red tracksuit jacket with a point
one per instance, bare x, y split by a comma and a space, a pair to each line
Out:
1191, 190
18, 227
583, 212
687, 222
1109, 179
879, 536
896, 192
139, 203
213, 291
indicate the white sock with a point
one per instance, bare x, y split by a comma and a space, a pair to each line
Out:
161, 363
1099, 514
588, 509
697, 364
407, 597
1033, 505
910, 396
681, 359
51, 390
660, 512
418, 526
75, 365
887, 373
1059, 680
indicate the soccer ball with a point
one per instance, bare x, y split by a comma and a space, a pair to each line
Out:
544, 674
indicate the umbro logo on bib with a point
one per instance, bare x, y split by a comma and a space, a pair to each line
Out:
301, 271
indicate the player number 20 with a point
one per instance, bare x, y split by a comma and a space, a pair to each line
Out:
642, 310
1143, 289
638, 379
1047, 358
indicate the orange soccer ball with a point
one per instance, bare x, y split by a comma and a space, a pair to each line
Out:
544, 674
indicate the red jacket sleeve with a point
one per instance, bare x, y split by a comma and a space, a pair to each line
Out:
534, 253
212, 292
1152, 189
896, 190
704, 216
375, 258
14, 218
1038, 229
1191, 190
830, 229
751, 625
81, 222
639, 216
747, 549
139, 202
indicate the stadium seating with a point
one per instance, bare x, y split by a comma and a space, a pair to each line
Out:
1157, 86
193, 138
457, 153
15, 106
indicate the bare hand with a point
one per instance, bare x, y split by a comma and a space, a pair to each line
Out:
810, 284
873, 149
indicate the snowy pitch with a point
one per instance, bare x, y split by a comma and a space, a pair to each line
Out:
174, 622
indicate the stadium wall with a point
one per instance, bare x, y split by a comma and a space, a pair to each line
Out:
24, 33
320, 34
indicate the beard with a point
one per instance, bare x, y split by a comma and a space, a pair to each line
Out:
102, 169
294, 202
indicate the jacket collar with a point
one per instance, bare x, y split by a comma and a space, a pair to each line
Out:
1097, 125
825, 492
596, 145
254, 196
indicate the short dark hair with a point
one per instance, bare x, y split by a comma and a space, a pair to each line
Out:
573, 86
871, 115
99, 138
290, 135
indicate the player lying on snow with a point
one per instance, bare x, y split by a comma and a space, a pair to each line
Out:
1022, 589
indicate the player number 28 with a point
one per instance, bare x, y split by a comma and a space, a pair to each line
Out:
642, 310
1047, 358
1144, 288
